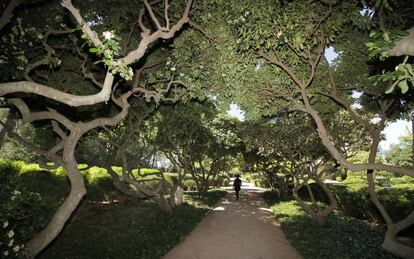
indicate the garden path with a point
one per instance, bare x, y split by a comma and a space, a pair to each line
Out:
243, 229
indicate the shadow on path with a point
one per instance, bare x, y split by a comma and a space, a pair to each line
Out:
237, 229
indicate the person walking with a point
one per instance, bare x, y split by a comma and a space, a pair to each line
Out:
237, 185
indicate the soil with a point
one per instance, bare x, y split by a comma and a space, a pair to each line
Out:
242, 229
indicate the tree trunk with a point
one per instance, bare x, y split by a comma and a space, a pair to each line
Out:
318, 216
310, 193
10, 122
404, 46
163, 203
390, 242
77, 191
305, 206
412, 141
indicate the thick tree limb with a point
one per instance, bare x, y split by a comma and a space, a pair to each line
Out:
28, 116
52, 93
404, 46
152, 15
93, 36
149, 38
8, 13
323, 132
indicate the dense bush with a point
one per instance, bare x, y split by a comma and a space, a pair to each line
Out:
354, 200
189, 185
23, 212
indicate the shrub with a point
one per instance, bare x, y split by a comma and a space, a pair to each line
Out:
189, 185
258, 182
340, 237
17, 204
247, 177
171, 177
8, 172
402, 180
102, 189
94, 174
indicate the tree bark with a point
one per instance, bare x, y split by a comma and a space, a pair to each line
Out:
77, 191
318, 216
8, 13
51, 93
404, 46
10, 122
412, 141
310, 194
390, 242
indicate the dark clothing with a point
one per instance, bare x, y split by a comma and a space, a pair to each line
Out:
237, 183
237, 186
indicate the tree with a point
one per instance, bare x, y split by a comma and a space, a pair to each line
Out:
274, 61
70, 130
401, 153
290, 139
199, 140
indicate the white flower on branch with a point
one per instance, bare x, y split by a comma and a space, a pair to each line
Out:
5, 224
108, 35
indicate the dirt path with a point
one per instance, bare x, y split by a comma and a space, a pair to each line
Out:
243, 229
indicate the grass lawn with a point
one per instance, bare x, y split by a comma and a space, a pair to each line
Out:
132, 231
340, 237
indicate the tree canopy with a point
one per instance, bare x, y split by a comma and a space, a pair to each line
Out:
107, 75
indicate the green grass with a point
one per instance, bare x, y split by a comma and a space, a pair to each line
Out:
123, 229
340, 237
133, 231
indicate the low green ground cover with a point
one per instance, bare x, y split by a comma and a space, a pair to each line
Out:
29, 196
340, 237
133, 231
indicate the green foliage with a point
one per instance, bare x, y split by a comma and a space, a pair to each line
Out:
199, 139
189, 185
141, 230
340, 237
17, 205
402, 76
402, 180
354, 200
401, 154
30, 196
383, 41
109, 50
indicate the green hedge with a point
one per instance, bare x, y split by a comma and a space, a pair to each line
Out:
354, 200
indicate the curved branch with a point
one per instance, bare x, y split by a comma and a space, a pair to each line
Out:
329, 145
93, 36
148, 39
152, 15
28, 116
8, 13
51, 93
283, 66
404, 46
